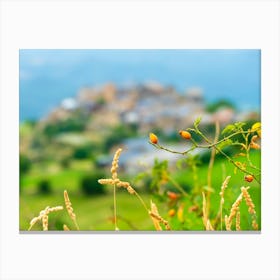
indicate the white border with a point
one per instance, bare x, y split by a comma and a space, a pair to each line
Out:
154, 24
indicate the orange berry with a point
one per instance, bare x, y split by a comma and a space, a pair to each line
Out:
172, 195
153, 138
253, 144
249, 178
193, 208
185, 134
171, 212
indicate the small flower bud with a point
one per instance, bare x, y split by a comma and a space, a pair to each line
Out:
185, 134
172, 195
153, 138
171, 212
249, 178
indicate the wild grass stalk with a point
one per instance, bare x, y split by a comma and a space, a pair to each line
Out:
222, 201
116, 182
70, 210
211, 165
251, 206
205, 219
43, 216
157, 219
234, 209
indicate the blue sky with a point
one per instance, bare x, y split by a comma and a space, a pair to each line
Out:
48, 76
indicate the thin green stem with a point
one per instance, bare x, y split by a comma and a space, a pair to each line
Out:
115, 208
172, 151
142, 201
195, 145
225, 155
221, 211
177, 186
210, 167
76, 224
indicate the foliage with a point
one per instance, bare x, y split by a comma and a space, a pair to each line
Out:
118, 134
24, 164
77, 123
44, 187
65, 162
203, 191
90, 186
82, 152
215, 106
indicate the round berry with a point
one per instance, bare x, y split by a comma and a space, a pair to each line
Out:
153, 138
173, 195
171, 212
185, 134
249, 178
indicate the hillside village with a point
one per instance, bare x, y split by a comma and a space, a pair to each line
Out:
150, 106
108, 112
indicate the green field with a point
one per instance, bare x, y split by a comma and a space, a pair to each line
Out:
96, 212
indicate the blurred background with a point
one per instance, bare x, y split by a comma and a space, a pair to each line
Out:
78, 106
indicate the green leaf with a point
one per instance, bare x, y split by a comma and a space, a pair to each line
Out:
208, 189
228, 129
239, 125
179, 163
197, 122
140, 177
224, 144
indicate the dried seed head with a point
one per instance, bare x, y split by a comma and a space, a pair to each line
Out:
228, 226
204, 210
115, 164
233, 211
251, 206
155, 216
224, 185
106, 181
255, 225
130, 190
45, 220
69, 206
55, 209
237, 220
248, 199
65, 228
43, 213
209, 226
157, 219
34, 221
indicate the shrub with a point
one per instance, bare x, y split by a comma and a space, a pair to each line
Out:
90, 186
44, 187
215, 106
24, 164
65, 162
82, 152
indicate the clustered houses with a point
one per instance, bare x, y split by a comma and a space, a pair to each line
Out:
150, 106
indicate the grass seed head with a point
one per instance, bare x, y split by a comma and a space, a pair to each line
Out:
45, 222
65, 228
